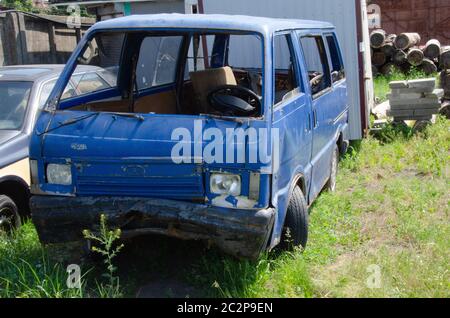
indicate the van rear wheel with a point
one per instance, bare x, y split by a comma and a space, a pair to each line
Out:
9, 215
295, 231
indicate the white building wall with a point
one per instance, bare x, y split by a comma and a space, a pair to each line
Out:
339, 12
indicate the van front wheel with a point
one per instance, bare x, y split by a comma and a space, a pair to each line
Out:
295, 231
9, 215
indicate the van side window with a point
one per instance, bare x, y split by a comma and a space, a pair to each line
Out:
316, 63
337, 70
285, 74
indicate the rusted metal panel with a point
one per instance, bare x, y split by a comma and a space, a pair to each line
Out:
429, 17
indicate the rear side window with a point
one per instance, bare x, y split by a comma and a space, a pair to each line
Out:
337, 67
285, 74
316, 63
157, 61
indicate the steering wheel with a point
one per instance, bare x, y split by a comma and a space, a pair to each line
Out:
234, 99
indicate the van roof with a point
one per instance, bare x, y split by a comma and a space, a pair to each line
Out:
265, 26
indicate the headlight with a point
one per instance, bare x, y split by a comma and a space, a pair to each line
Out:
225, 184
59, 174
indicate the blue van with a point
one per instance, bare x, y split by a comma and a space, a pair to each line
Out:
219, 128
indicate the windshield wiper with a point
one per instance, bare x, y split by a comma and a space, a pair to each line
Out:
68, 122
129, 115
77, 119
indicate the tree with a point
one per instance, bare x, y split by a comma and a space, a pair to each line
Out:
22, 5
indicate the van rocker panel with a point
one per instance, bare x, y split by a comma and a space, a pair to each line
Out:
242, 233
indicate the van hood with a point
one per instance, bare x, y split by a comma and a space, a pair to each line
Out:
122, 155
6, 135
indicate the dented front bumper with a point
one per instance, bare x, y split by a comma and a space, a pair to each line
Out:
243, 233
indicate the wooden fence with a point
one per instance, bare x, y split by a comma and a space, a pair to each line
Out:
37, 39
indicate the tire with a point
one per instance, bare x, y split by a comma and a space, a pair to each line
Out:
9, 215
331, 183
295, 231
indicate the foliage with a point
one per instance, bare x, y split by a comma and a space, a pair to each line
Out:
107, 248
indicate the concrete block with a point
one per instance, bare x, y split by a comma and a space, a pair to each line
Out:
422, 83
414, 102
412, 113
392, 96
438, 92
398, 84
406, 107
426, 84
399, 118
397, 91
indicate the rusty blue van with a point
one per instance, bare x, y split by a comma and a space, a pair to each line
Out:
219, 128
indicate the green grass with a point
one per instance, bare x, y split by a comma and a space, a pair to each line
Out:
391, 210
381, 83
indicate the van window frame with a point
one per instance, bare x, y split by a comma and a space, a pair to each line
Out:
327, 71
66, 76
299, 90
340, 57
111, 93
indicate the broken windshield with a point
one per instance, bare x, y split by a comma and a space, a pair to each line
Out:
215, 73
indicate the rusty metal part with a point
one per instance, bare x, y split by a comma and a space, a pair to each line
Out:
242, 233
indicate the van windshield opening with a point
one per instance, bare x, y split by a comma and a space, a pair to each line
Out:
189, 73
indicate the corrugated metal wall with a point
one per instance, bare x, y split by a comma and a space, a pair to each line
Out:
341, 13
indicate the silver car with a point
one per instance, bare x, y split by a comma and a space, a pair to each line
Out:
23, 92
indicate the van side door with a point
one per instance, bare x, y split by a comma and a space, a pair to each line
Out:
320, 88
293, 121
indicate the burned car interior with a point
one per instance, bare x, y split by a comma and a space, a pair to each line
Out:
177, 73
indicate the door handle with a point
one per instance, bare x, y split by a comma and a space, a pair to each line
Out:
309, 126
315, 118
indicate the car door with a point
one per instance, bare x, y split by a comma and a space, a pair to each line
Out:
321, 94
292, 121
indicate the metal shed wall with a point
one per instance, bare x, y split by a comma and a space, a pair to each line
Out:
341, 13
